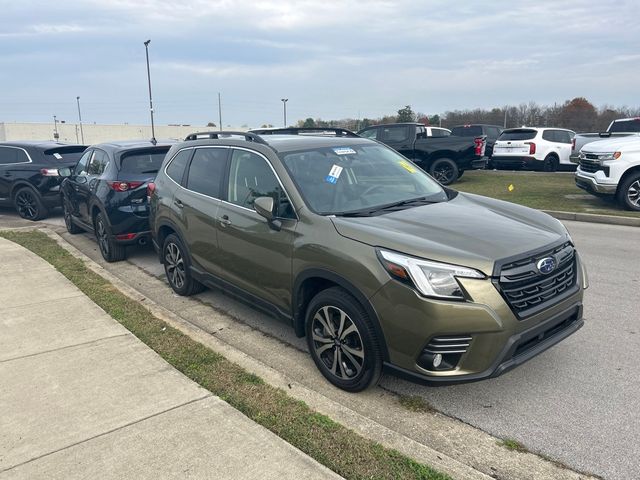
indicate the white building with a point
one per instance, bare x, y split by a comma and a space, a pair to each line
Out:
93, 133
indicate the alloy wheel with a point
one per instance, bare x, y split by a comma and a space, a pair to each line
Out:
633, 194
27, 205
67, 216
443, 174
175, 265
103, 237
337, 342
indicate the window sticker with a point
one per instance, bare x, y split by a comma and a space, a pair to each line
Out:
334, 174
58, 156
407, 166
344, 151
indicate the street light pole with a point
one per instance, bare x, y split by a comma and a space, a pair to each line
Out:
153, 131
80, 118
284, 104
55, 129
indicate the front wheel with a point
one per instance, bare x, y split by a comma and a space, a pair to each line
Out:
342, 341
629, 192
444, 170
72, 228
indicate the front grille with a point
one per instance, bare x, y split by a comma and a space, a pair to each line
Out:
534, 341
528, 291
589, 166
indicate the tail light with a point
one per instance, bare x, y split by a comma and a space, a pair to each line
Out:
573, 144
49, 172
120, 186
479, 146
151, 187
532, 147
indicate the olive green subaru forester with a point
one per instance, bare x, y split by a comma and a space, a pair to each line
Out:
364, 253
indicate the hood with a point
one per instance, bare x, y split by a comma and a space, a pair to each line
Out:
615, 144
469, 230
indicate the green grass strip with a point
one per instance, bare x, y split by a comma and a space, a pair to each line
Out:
333, 445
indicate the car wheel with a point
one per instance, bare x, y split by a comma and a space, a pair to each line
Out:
176, 267
342, 341
550, 164
72, 228
460, 173
629, 192
444, 170
110, 250
29, 204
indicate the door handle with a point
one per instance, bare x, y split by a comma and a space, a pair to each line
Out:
224, 221
178, 203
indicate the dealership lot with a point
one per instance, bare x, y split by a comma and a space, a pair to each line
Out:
576, 403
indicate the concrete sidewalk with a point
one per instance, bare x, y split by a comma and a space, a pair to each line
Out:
81, 397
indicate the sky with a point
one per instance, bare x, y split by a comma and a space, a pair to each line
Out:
331, 58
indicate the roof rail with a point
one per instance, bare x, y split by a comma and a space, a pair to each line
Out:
338, 132
248, 136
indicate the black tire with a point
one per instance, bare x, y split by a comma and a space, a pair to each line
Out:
176, 267
629, 192
550, 164
345, 349
28, 204
444, 170
110, 250
460, 173
72, 228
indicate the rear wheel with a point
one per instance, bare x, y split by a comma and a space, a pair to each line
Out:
29, 204
550, 164
72, 228
460, 173
342, 341
176, 267
110, 250
629, 192
444, 170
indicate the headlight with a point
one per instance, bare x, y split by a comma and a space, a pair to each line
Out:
609, 156
432, 279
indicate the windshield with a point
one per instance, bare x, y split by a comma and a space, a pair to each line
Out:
626, 126
359, 179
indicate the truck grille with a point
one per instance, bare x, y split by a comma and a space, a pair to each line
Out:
528, 291
590, 166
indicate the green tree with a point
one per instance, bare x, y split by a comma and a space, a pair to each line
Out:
406, 114
309, 123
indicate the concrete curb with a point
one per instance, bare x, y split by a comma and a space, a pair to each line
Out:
594, 218
538, 467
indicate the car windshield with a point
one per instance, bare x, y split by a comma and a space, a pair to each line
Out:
359, 179
518, 134
626, 126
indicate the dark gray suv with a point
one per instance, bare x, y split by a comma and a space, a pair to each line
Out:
366, 255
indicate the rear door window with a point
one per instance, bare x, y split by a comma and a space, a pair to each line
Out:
207, 170
518, 134
175, 170
12, 155
142, 162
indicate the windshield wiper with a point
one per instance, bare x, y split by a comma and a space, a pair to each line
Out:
388, 207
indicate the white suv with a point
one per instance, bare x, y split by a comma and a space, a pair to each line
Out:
612, 167
537, 148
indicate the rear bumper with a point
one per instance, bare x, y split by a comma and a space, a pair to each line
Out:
133, 238
479, 163
513, 161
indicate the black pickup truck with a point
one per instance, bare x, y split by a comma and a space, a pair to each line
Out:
445, 158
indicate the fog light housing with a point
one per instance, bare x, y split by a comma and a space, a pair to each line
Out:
437, 360
444, 352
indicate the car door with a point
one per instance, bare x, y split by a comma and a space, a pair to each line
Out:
565, 137
87, 182
255, 256
71, 185
199, 202
10, 160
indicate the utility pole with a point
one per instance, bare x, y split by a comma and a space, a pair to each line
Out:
505, 117
219, 112
80, 118
284, 104
153, 131
55, 129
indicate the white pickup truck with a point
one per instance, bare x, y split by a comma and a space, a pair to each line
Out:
612, 167
622, 127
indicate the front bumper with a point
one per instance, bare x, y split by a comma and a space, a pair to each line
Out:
499, 340
591, 183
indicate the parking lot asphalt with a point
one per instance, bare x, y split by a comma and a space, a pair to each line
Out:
578, 403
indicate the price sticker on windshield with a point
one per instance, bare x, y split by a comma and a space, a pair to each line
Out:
334, 175
344, 151
407, 166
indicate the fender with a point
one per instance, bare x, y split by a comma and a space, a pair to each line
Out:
299, 313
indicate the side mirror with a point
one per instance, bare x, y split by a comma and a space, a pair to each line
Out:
64, 172
264, 207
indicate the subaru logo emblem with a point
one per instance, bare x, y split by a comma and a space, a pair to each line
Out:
546, 265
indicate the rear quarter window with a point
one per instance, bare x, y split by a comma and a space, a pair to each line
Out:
142, 162
470, 131
518, 134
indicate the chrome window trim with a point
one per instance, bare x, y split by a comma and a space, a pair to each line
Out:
17, 163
